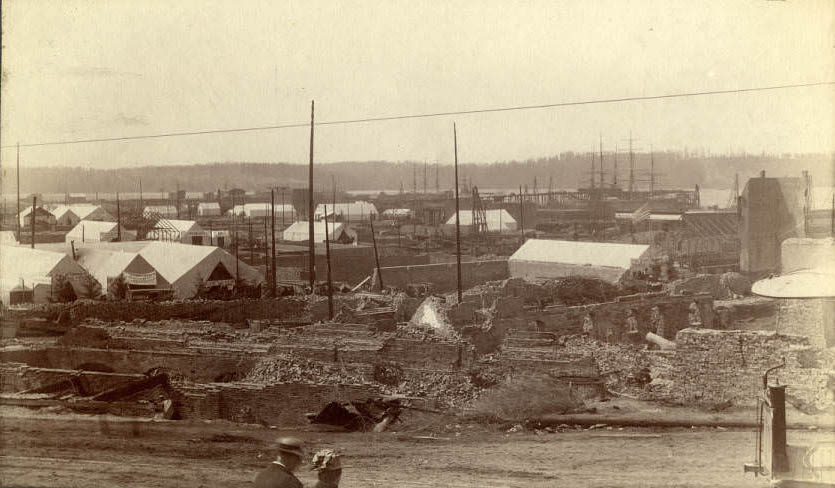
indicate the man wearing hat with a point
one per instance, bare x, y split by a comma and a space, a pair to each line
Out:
280, 473
329, 466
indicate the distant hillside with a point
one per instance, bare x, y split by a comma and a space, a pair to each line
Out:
567, 170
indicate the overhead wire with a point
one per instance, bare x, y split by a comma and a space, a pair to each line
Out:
423, 115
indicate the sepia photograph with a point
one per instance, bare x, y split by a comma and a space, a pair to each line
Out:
417, 243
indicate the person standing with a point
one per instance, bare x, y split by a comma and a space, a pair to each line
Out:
328, 465
280, 473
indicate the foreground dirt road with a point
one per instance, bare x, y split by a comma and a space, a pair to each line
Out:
64, 450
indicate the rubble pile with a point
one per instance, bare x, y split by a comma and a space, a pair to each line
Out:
623, 367
287, 368
449, 390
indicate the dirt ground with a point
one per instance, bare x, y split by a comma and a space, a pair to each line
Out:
43, 449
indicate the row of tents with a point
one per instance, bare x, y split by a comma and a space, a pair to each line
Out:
144, 265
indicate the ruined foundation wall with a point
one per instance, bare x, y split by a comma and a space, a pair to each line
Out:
197, 366
16, 377
279, 405
443, 276
609, 320
232, 311
716, 367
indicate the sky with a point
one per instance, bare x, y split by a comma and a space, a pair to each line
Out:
108, 68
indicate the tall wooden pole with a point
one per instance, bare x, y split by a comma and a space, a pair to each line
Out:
118, 219
376, 254
601, 162
311, 247
457, 215
18, 193
328, 259
251, 247
272, 251
267, 264
521, 214
34, 205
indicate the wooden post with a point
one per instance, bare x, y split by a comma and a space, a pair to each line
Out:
311, 246
251, 247
328, 259
457, 215
34, 204
118, 219
521, 214
376, 255
272, 250
18, 193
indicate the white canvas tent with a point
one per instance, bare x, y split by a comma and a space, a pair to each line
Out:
358, 211
189, 232
337, 232
542, 258
263, 210
70, 215
208, 209
168, 264
498, 220
26, 266
94, 231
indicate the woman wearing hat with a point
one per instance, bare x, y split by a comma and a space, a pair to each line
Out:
280, 473
328, 464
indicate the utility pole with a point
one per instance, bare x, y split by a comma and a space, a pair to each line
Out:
631, 168
235, 241
424, 177
651, 174
376, 254
34, 204
521, 214
178, 199
601, 161
414, 202
273, 267
437, 178
328, 260
118, 219
457, 215
615, 169
282, 210
251, 247
141, 201
310, 246
18, 193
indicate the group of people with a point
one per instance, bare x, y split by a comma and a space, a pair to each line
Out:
280, 474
